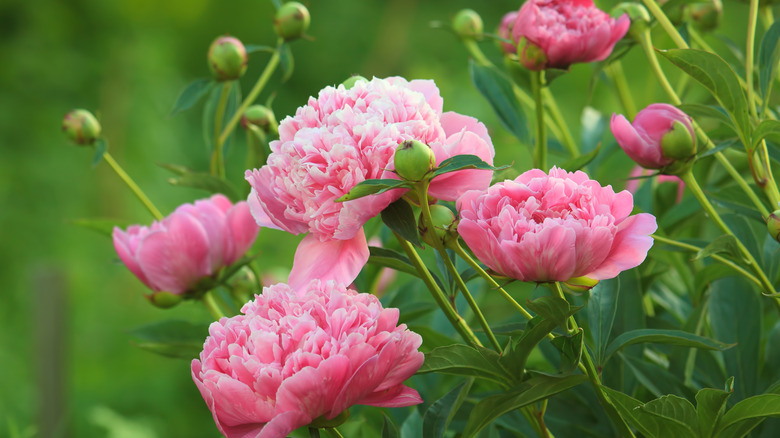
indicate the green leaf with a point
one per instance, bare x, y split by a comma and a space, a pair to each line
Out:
710, 405
412, 426
571, 350
497, 89
747, 414
399, 217
668, 337
257, 149
715, 75
287, 61
735, 317
191, 94
100, 149
767, 128
772, 352
726, 243
101, 226
699, 111
464, 360
552, 308
391, 259
581, 161
207, 182
389, 430
531, 391
373, 187
438, 416
649, 424
601, 310
768, 57
676, 412
171, 338
460, 162
176, 168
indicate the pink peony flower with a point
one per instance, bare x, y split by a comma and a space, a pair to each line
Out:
505, 31
566, 32
194, 242
296, 356
554, 227
343, 137
652, 140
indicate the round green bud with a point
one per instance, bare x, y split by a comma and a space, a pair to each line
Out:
352, 80
442, 218
292, 20
705, 16
81, 127
678, 143
413, 159
467, 24
164, 300
773, 224
227, 58
260, 116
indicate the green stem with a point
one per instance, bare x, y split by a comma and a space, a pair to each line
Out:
647, 46
540, 153
476, 52
667, 25
595, 380
615, 72
456, 320
335, 432
133, 186
720, 259
693, 185
211, 304
751, 42
250, 98
217, 159
564, 134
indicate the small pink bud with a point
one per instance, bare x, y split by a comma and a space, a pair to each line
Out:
227, 58
773, 224
81, 127
467, 24
260, 116
505, 32
443, 219
413, 159
292, 20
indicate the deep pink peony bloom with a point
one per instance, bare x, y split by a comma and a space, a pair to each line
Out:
505, 31
642, 140
552, 228
566, 31
295, 356
195, 241
343, 137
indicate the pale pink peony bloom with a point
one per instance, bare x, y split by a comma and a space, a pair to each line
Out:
567, 32
632, 185
343, 137
554, 227
193, 242
642, 140
505, 32
299, 355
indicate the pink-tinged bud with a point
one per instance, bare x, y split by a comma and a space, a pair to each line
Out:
443, 219
467, 24
260, 116
580, 284
81, 127
292, 20
227, 58
773, 224
505, 32
352, 80
413, 159
640, 18
705, 16
660, 135
567, 32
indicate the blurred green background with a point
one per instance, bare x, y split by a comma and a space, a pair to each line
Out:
66, 302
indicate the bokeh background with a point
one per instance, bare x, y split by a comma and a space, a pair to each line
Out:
67, 366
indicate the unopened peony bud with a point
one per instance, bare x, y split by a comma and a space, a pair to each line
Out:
467, 24
580, 284
260, 116
678, 143
164, 300
292, 20
352, 80
773, 224
81, 127
530, 55
638, 14
227, 58
413, 159
705, 16
442, 218
505, 32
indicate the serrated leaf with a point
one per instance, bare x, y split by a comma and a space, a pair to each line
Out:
191, 94
726, 243
171, 338
399, 217
767, 128
460, 162
497, 89
440, 413
287, 61
531, 391
391, 259
667, 337
581, 161
100, 149
601, 310
717, 76
710, 405
372, 187
101, 226
768, 57
207, 182
747, 414
464, 360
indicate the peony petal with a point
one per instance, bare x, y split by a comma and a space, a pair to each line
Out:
123, 249
629, 249
242, 230
339, 260
396, 397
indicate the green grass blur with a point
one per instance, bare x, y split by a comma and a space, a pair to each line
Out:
66, 301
